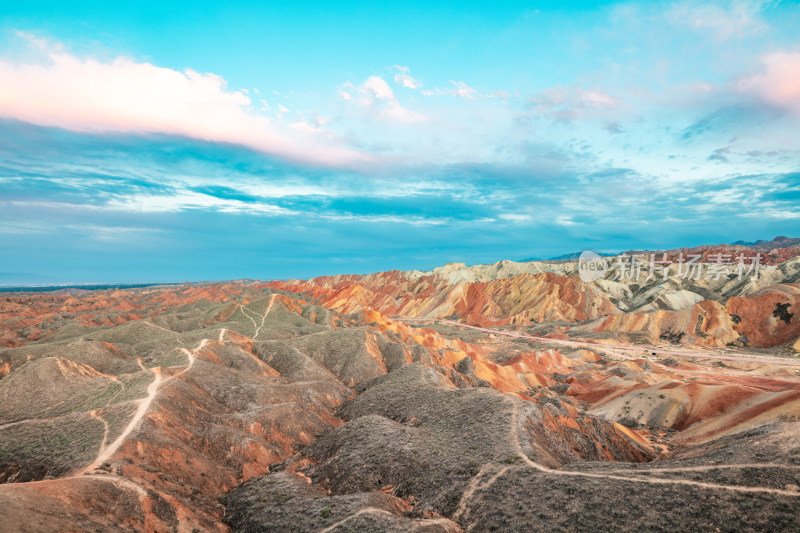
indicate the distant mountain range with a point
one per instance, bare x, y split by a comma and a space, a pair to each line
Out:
761, 245
568, 257
777, 242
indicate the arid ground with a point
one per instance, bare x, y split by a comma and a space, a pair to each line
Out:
364, 403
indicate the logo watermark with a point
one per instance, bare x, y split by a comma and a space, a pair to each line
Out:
591, 266
632, 266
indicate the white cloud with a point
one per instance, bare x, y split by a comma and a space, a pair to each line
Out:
392, 219
305, 127
460, 89
378, 88
187, 200
181, 200
405, 79
376, 97
87, 95
312, 124
515, 217
565, 220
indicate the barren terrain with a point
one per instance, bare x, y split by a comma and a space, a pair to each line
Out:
469, 399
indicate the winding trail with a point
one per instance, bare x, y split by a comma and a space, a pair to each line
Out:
375, 510
143, 496
627, 475
245, 313
26, 420
639, 348
159, 327
263, 318
708, 468
96, 414
253, 320
122, 482
328, 321
474, 486
628, 478
120, 391
359, 513
107, 451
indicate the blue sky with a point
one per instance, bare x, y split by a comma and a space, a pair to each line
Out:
199, 141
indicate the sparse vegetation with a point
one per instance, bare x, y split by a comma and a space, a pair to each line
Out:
387, 445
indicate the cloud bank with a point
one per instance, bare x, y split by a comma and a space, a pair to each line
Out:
124, 95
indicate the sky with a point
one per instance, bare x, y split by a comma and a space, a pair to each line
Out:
185, 141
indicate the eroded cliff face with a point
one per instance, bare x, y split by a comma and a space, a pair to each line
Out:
520, 299
763, 319
747, 312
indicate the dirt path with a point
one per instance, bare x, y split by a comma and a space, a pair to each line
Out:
190, 354
707, 468
474, 486
96, 414
107, 451
474, 483
359, 513
159, 327
641, 348
143, 496
245, 313
328, 321
263, 318
375, 510
628, 477
26, 420
253, 319
121, 482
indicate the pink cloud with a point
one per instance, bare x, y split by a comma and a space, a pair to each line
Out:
779, 83
124, 95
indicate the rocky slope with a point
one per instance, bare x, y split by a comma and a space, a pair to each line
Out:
677, 305
237, 406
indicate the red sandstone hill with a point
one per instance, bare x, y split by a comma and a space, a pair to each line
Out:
523, 299
748, 312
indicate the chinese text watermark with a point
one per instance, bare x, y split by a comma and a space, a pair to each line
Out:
635, 266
